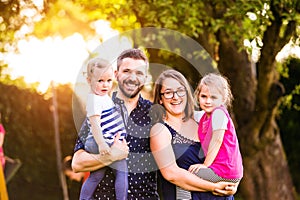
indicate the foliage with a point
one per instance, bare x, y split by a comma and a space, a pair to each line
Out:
63, 18
288, 120
15, 15
19, 82
10, 21
28, 121
193, 17
16, 20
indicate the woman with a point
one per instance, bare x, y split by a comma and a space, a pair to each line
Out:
174, 142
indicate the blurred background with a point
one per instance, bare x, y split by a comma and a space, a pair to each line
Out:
44, 45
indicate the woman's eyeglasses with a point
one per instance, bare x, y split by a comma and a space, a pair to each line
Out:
170, 94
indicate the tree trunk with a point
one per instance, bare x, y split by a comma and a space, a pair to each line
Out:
61, 175
266, 173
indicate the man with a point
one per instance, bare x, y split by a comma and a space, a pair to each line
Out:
131, 74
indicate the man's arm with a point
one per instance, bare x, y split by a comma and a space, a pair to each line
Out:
84, 161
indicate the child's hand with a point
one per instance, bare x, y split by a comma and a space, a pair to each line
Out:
195, 168
104, 148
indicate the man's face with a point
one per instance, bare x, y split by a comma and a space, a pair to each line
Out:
131, 76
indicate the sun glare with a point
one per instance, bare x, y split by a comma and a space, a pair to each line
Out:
54, 58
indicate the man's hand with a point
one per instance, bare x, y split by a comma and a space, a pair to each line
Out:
83, 161
119, 150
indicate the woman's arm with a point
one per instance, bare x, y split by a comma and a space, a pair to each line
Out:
160, 143
83, 161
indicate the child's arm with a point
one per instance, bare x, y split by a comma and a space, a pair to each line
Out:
219, 124
213, 149
97, 133
214, 146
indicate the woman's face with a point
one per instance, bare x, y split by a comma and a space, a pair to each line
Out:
173, 97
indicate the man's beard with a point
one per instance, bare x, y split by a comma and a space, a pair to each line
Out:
131, 94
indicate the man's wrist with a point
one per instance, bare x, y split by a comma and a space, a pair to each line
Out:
105, 159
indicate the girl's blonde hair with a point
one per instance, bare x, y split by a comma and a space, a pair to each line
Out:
97, 63
219, 83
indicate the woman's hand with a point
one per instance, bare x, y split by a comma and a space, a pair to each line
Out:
225, 188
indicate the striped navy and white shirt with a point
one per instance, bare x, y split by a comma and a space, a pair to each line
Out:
111, 119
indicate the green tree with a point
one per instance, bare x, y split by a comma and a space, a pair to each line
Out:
28, 121
290, 115
221, 27
15, 17
63, 19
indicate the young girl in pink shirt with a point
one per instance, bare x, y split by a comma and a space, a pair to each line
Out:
216, 131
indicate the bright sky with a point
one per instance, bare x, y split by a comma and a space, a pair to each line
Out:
50, 59
54, 58
287, 50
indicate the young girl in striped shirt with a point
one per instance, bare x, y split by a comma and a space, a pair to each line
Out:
105, 122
